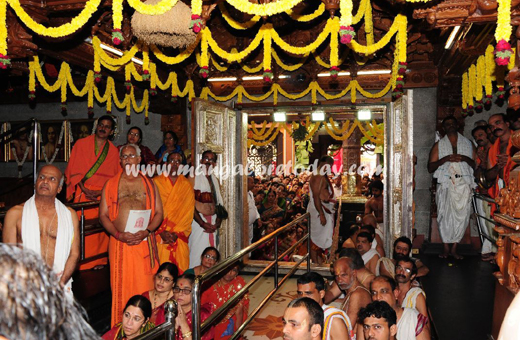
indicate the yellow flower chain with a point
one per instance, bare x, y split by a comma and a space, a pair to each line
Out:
264, 134
345, 8
125, 59
286, 67
75, 24
65, 82
399, 25
267, 50
262, 129
196, 7
339, 131
308, 17
480, 77
465, 90
269, 140
471, 81
157, 9
503, 30
490, 70
329, 28
231, 57
117, 13
235, 24
178, 58
264, 10
3, 27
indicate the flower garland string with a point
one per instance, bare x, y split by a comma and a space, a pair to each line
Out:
503, 51
57, 147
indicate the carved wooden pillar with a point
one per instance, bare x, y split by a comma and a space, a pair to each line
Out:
513, 77
352, 156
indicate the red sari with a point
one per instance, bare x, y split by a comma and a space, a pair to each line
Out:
158, 312
220, 293
205, 311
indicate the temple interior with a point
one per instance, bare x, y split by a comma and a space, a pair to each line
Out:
271, 87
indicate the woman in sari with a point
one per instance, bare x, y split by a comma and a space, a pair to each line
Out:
221, 292
135, 136
136, 320
182, 294
209, 258
270, 211
162, 291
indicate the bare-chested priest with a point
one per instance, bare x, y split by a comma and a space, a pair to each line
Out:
375, 204
46, 226
321, 209
130, 210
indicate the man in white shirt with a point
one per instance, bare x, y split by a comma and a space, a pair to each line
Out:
253, 211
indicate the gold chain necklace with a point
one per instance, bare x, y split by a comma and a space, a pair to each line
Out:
49, 226
155, 298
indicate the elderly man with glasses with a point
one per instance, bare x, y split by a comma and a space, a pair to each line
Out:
130, 211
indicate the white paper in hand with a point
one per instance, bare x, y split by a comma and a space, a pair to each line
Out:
137, 220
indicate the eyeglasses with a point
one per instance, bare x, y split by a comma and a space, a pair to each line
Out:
107, 126
207, 159
128, 156
134, 134
168, 138
163, 278
174, 161
209, 257
185, 291
407, 270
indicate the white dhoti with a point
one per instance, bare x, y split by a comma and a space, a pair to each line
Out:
65, 235
454, 191
484, 209
407, 326
321, 235
200, 240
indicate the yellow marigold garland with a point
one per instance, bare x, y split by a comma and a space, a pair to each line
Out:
307, 17
235, 24
157, 9
503, 49
4, 60
75, 24
268, 73
264, 10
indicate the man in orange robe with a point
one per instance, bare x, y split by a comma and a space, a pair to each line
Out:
499, 157
178, 201
133, 250
93, 161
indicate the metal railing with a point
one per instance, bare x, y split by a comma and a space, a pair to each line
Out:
166, 328
481, 233
197, 327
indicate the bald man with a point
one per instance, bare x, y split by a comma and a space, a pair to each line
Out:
46, 226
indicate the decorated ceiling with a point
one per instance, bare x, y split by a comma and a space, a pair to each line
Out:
143, 56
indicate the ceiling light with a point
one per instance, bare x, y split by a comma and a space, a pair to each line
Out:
360, 73
327, 74
284, 77
451, 39
223, 79
119, 53
279, 116
252, 78
318, 116
364, 114
372, 72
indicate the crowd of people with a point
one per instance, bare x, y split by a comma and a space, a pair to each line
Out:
161, 233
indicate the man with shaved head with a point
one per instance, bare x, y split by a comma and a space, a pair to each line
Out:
46, 226
130, 211
356, 295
